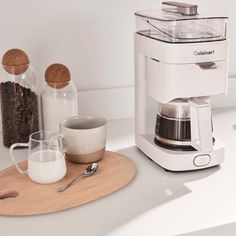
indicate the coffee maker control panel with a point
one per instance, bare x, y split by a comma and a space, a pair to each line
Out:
202, 160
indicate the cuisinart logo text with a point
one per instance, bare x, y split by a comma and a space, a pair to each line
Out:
201, 53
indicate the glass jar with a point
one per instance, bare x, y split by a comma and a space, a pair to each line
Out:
59, 97
19, 101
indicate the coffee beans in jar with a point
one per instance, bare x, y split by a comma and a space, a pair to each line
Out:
19, 102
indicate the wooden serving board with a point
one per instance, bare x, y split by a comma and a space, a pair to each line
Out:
20, 196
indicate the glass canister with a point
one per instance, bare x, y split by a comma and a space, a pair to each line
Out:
59, 97
19, 101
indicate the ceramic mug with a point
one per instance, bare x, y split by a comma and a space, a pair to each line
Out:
84, 138
46, 160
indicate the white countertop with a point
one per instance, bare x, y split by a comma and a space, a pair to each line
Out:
156, 202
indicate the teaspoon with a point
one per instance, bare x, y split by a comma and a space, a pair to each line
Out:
90, 170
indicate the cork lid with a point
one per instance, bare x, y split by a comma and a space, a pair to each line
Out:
15, 61
57, 75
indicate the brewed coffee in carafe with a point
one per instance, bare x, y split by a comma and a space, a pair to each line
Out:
173, 125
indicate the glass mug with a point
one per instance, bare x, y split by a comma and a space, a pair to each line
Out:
46, 160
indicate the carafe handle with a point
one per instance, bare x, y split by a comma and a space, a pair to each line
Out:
13, 158
201, 126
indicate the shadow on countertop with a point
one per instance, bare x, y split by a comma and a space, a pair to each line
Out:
225, 230
152, 187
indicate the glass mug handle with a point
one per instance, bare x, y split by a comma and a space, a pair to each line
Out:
13, 146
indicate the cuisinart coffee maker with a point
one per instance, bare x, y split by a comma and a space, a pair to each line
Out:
181, 59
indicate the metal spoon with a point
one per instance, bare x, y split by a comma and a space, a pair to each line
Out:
90, 170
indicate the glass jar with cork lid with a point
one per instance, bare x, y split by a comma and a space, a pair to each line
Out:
19, 101
59, 97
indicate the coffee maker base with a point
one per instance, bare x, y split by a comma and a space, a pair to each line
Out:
180, 160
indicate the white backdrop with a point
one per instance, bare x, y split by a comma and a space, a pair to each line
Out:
93, 37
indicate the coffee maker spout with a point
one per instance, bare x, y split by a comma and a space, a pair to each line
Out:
201, 125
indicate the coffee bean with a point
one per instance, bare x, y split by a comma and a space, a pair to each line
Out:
20, 118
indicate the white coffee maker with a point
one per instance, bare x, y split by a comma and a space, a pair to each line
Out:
181, 59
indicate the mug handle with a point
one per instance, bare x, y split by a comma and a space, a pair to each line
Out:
56, 137
13, 146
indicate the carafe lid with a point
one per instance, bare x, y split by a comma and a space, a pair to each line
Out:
57, 75
15, 61
176, 109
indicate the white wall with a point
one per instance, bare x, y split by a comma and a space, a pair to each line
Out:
93, 37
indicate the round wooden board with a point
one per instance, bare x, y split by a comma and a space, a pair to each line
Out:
115, 171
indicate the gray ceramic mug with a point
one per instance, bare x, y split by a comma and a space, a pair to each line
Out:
84, 138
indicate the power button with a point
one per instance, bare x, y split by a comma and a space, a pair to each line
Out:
202, 160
